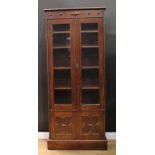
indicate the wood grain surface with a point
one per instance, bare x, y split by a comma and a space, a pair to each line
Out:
80, 123
42, 150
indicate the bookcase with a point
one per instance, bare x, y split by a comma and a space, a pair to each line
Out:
76, 78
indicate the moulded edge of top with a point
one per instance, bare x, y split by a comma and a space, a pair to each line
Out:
65, 9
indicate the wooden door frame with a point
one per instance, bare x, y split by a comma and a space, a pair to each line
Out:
101, 105
53, 106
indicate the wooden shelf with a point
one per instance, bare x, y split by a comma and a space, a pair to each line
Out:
89, 46
61, 32
62, 68
90, 67
60, 47
62, 88
90, 87
89, 104
89, 31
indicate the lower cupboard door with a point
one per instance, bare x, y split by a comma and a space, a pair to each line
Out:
92, 125
62, 125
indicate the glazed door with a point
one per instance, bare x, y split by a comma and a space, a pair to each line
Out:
90, 57
76, 58
61, 64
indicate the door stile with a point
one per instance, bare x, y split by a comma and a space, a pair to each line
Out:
50, 65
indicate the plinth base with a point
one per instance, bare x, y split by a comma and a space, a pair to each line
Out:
77, 144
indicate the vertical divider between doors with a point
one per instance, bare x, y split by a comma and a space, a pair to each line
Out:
72, 50
78, 74
74, 73
78, 62
73, 64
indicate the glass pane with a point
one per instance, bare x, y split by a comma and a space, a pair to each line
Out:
89, 39
90, 96
61, 57
62, 96
61, 27
61, 39
89, 26
62, 63
90, 78
90, 57
62, 79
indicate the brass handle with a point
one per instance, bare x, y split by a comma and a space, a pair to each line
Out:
60, 14
75, 13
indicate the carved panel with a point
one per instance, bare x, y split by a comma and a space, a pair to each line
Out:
63, 125
74, 14
90, 125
